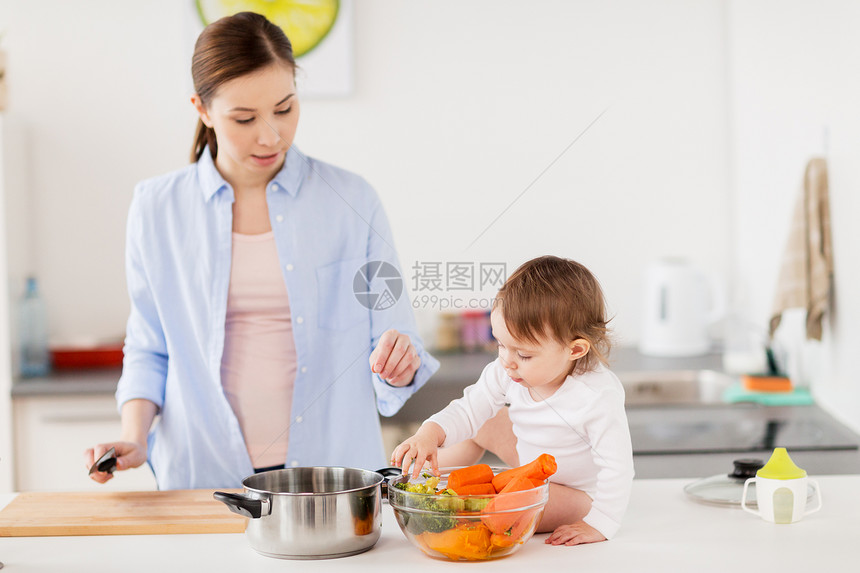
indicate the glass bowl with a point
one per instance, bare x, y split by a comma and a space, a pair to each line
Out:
467, 527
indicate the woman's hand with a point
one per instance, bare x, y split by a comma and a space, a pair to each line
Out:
137, 416
395, 358
128, 455
574, 534
422, 448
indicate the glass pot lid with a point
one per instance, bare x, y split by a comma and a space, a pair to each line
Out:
727, 489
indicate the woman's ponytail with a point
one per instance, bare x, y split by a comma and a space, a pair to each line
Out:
203, 136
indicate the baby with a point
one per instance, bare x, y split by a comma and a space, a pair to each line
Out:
549, 321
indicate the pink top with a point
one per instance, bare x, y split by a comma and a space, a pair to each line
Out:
258, 367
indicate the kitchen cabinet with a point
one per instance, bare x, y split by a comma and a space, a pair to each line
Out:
53, 425
51, 433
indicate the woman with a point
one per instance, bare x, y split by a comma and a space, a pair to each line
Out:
251, 327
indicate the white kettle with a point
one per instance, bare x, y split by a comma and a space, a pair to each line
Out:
680, 303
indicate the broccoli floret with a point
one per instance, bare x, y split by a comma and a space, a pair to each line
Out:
428, 486
418, 523
476, 504
442, 503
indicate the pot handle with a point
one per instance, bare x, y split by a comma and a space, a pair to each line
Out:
244, 504
388, 473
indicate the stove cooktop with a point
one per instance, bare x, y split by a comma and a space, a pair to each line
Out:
737, 428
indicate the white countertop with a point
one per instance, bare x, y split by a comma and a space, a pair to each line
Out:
663, 531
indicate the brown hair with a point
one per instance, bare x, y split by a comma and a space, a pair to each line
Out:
230, 48
560, 299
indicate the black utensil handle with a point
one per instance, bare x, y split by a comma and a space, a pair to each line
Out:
772, 366
109, 465
241, 504
106, 463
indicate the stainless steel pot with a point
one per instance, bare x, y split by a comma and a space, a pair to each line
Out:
310, 512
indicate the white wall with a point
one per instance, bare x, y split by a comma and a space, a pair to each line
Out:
96, 92
711, 110
793, 80
457, 108
7, 455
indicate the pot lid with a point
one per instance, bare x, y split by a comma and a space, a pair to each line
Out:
726, 489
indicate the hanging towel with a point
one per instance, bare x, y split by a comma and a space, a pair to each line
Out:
805, 279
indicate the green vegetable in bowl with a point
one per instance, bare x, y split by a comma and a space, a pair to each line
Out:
476, 504
426, 513
429, 486
427, 509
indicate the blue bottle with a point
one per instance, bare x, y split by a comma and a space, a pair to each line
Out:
33, 330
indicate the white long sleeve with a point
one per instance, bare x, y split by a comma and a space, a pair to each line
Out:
463, 417
583, 425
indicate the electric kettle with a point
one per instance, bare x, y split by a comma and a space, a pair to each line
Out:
681, 302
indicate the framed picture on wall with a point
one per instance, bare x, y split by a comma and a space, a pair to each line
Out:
319, 30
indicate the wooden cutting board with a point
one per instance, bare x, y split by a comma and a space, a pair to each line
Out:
36, 514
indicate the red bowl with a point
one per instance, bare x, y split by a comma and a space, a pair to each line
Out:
109, 356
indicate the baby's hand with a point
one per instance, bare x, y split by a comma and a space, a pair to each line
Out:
574, 534
420, 448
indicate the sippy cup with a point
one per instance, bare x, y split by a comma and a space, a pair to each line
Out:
781, 490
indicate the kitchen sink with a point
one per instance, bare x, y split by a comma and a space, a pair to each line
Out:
674, 387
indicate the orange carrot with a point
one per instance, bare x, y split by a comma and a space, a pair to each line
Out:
537, 482
525, 524
476, 489
466, 541
501, 540
480, 473
540, 468
526, 521
498, 516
